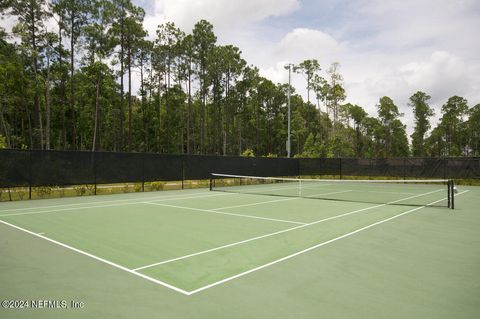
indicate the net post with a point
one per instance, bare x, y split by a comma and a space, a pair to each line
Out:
449, 193
452, 194
183, 171
211, 181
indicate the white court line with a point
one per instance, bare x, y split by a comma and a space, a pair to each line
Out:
99, 259
64, 209
120, 202
107, 201
224, 213
381, 192
257, 203
314, 247
111, 205
278, 200
398, 181
278, 232
249, 190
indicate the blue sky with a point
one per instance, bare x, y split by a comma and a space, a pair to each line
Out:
384, 47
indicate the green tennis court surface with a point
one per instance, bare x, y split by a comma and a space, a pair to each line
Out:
230, 254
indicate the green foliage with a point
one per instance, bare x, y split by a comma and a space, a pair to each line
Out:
248, 153
157, 186
22, 194
44, 191
310, 69
422, 112
3, 143
80, 190
313, 147
473, 131
451, 136
392, 134
71, 87
270, 155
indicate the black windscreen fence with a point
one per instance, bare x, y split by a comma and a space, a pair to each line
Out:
201, 166
47, 168
61, 168
319, 166
159, 167
15, 168
118, 167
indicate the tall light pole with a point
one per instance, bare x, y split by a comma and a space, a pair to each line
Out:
289, 68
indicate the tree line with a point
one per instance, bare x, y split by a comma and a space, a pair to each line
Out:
70, 88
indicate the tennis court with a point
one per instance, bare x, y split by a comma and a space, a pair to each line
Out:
339, 249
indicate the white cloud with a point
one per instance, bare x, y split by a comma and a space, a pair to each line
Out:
442, 76
222, 14
302, 43
298, 45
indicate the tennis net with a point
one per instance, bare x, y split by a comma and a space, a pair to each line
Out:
438, 192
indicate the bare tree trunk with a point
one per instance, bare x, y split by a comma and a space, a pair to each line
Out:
62, 83
159, 111
47, 103
36, 99
30, 131
129, 58
72, 69
189, 113
204, 114
6, 132
144, 122
225, 115
150, 98
97, 111
122, 73
168, 133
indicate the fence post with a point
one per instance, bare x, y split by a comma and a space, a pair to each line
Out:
183, 170
143, 171
340, 163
